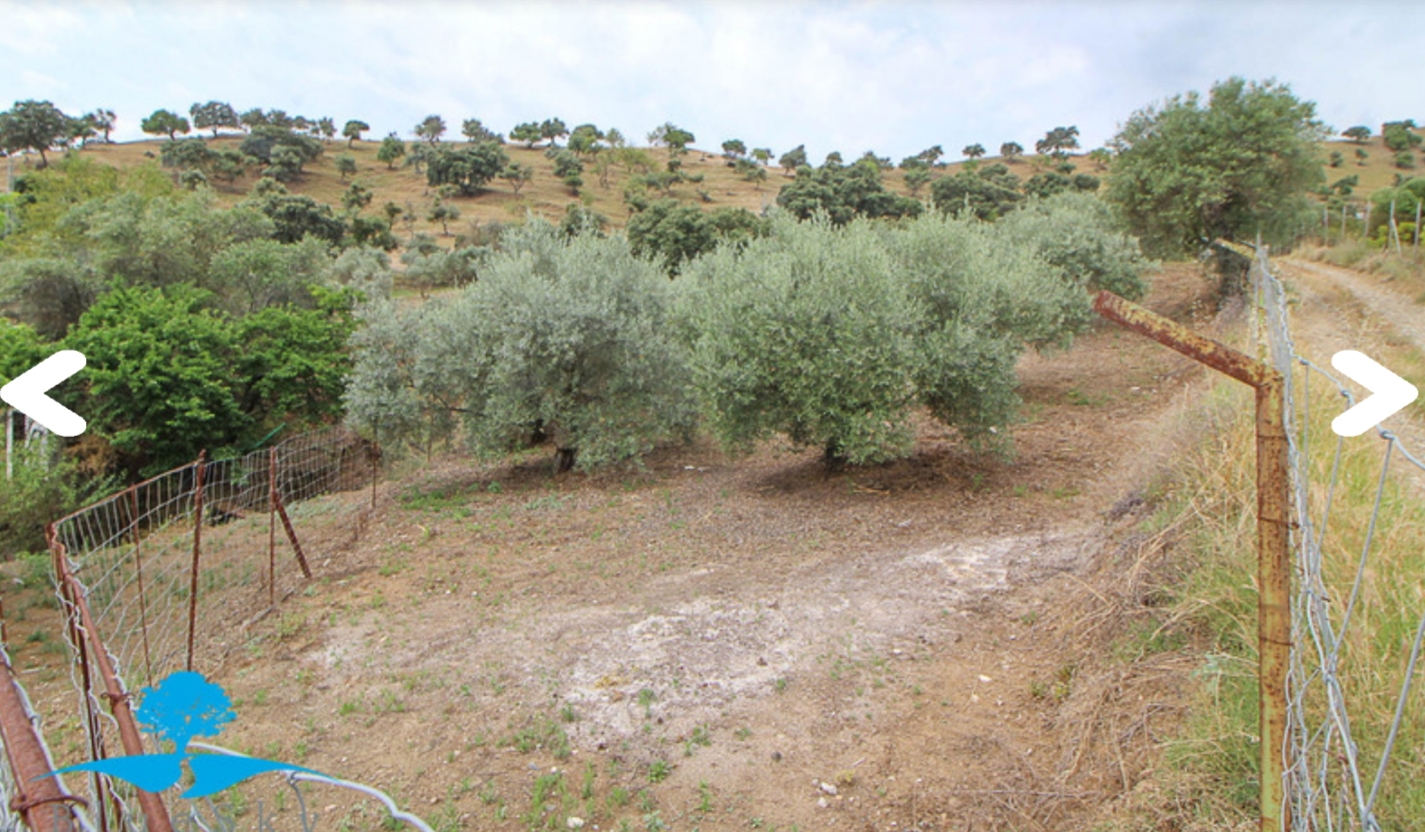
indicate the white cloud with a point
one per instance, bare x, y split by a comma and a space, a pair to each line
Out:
893, 76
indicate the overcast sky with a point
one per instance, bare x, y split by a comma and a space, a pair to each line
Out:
891, 76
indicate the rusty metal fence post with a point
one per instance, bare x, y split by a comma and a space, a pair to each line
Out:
155, 813
1273, 533
197, 553
38, 800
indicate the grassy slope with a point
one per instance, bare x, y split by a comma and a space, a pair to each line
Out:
545, 195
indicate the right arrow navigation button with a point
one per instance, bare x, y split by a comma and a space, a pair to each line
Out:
1389, 393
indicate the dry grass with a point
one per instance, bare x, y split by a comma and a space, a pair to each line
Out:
1206, 597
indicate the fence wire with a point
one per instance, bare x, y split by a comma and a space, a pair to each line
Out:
1338, 772
164, 575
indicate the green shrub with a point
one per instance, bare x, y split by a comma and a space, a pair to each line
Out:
1077, 233
44, 487
806, 333
832, 336
562, 337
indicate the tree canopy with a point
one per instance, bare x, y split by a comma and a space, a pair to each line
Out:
843, 192
468, 168
33, 125
353, 129
165, 123
213, 115
1185, 173
564, 338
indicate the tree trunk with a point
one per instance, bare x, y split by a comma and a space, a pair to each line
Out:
564, 459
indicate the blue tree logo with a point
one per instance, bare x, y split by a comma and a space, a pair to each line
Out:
183, 706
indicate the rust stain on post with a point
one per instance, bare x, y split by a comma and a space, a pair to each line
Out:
1273, 532
197, 552
155, 813
292, 536
38, 799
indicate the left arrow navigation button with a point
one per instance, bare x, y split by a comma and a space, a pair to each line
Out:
27, 393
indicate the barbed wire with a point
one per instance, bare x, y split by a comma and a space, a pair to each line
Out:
1329, 783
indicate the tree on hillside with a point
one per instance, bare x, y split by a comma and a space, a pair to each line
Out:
418, 154
1361, 156
104, 121
750, 171
517, 174
391, 149
352, 130
763, 155
474, 131
527, 132
585, 139
444, 214
986, 193
1397, 135
82, 129
1358, 134
1100, 156
843, 193
345, 165
569, 170
253, 118
793, 159
1185, 174
165, 122
672, 234
468, 169
213, 115
284, 151
33, 125
326, 127
671, 136
1058, 142
431, 128
974, 151
917, 178
1011, 151
553, 129
565, 339
733, 149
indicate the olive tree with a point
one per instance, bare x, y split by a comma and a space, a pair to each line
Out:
562, 338
832, 336
804, 333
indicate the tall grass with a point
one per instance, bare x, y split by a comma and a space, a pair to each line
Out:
1215, 759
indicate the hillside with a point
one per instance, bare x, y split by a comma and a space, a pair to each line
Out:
545, 195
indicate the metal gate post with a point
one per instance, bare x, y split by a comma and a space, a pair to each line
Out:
1273, 534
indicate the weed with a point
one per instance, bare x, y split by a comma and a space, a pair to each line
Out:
587, 790
742, 733
646, 697
618, 797
658, 771
567, 714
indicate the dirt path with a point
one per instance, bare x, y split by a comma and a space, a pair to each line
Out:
1402, 312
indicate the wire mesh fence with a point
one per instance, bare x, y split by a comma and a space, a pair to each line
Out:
1354, 750
166, 574
27, 798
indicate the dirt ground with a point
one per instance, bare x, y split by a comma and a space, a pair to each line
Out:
730, 644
